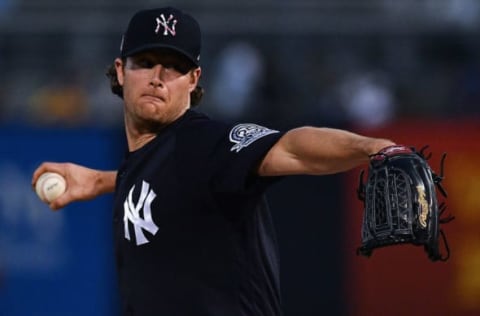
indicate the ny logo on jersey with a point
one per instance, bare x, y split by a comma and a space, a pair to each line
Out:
134, 216
167, 24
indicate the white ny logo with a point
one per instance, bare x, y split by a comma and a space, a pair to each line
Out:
132, 214
165, 23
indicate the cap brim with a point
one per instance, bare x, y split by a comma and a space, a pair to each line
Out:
159, 46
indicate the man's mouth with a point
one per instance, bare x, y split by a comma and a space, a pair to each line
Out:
153, 97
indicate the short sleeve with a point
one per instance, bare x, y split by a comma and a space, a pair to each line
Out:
237, 156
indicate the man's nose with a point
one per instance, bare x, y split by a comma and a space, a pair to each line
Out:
156, 79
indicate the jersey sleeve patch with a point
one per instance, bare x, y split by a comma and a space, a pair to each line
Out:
242, 135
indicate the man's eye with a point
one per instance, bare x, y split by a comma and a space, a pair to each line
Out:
169, 65
175, 66
144, 63
180, 67
147, 63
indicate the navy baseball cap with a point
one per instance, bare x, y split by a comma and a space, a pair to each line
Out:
163, 28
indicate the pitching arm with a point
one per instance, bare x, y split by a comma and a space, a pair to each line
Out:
82, 183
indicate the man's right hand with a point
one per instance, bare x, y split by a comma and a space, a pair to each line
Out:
82, 183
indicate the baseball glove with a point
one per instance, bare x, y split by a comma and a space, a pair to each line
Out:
400, 202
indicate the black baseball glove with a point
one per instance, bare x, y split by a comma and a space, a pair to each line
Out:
400, 202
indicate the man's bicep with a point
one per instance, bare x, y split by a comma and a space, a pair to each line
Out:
280, 161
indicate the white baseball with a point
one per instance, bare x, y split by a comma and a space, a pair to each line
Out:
50, 185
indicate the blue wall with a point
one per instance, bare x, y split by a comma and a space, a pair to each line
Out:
55, 263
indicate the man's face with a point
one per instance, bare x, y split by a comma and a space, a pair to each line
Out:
156, 86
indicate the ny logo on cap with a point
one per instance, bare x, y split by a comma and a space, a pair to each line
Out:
167, 24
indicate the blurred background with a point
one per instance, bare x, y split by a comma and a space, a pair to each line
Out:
408, 70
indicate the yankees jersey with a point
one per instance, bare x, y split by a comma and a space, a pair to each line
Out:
193, 233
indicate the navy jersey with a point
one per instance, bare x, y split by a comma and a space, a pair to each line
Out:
193, 233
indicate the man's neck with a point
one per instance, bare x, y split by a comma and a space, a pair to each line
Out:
136, 142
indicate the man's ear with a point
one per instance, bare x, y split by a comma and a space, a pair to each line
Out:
195, 77
119, 66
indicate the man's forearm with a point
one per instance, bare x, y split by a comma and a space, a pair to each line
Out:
105, 181
311, 150
326, 150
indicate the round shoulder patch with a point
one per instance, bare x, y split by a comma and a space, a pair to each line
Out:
243, 135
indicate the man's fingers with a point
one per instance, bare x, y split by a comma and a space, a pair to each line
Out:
50, 167
60, 202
